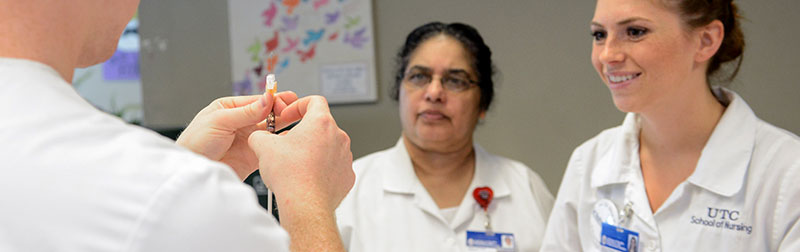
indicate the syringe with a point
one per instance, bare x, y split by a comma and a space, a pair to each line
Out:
272, 87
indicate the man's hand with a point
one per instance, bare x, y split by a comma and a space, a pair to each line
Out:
310, 170
311, 160
220, 131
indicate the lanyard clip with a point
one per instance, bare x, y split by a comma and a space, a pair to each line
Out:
626, 213
484, 196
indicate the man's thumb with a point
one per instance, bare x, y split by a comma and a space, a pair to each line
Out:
250, 114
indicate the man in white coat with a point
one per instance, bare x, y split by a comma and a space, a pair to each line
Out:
75, 179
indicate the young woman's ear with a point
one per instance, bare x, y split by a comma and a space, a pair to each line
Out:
711, 36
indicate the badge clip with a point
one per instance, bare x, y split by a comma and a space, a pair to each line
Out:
484, 196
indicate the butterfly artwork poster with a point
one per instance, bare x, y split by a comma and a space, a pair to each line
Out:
314, 47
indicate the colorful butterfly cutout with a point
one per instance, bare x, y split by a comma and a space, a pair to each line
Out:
269, 14
307, 55
320, 3
333, 36
313, 36
290, 23
352, 21
272, 44
292, 44
357, 40
244, 86
271, 63
290, 5
254, 49
331, 18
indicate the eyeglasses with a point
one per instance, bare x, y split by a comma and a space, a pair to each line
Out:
454, 80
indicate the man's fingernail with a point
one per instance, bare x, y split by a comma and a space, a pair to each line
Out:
263, 100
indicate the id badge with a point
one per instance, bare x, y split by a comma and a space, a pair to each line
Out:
484, 241
619, 239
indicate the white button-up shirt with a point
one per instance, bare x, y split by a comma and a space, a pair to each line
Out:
744, 194
75, 179
389, 209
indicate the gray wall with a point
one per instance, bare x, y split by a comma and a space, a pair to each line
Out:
185, 60
548, 101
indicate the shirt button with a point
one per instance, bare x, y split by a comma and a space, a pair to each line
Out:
450, 241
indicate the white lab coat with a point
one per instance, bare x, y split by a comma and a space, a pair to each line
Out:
388, 209
75, 179
743, 195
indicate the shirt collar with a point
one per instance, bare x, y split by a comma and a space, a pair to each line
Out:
34, 74
28, 64
617, 161
727, 151
487, 173
400, 178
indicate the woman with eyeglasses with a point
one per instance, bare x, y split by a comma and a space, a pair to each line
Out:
437, 190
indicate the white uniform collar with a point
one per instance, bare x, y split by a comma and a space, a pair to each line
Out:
28, 64
727, 151
402, 179
33, 73
399, 176
488, 175
616, 164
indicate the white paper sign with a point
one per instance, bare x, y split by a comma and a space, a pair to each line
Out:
344, 80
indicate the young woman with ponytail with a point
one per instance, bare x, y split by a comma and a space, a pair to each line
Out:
691, 168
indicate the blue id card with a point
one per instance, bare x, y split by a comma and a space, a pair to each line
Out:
495, 241
619, 239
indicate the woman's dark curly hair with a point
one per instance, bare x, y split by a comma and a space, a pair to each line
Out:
472, 42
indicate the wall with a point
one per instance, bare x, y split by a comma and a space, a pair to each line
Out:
185, 62
548, 100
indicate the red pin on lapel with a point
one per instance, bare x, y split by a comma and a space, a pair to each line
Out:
483, 195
